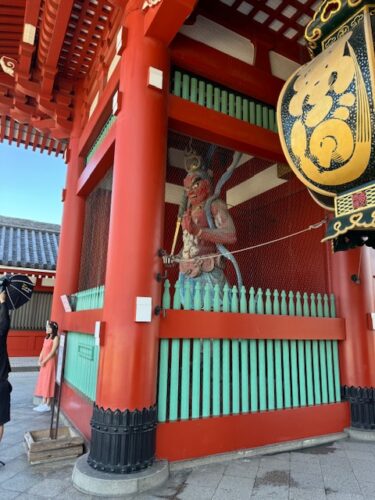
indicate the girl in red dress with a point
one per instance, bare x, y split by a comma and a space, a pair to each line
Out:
45, 386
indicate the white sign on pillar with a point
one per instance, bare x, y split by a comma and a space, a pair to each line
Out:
143, 309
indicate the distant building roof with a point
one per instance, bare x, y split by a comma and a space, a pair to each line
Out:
29, 244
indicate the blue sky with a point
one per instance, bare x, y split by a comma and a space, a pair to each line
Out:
31, 184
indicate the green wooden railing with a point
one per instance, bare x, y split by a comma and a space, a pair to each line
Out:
81, 363
254, 302
100, 138
88, 299
224, 100
204, 378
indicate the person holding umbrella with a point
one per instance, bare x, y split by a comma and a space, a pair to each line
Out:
5, 387
45, 386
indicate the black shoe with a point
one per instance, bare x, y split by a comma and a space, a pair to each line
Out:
2, 464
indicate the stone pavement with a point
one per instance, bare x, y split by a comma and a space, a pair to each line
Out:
342, 470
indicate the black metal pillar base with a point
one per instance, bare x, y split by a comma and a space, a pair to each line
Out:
362, 406
122, 441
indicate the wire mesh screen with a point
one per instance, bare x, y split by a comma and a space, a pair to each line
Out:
95, 235
34, 314
268, 206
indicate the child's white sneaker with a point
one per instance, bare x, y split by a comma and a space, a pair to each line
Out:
44, 408
37, 408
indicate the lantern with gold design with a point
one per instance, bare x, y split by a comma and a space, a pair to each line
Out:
326, 119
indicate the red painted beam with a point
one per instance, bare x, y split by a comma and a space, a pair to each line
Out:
92, 128
209, 63
196, 324
164, 21
207, 436
77, 409
81, 321
101, 161
218, 128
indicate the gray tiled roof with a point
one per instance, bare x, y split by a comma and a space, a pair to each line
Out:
27, 243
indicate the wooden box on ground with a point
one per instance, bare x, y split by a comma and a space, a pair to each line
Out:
41, 448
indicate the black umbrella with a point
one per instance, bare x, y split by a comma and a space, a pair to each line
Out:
18, 289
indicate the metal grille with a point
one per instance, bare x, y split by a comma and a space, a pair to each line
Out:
344, 203
268, 206
95, 235
34, 314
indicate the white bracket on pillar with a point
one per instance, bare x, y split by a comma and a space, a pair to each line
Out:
120, 40
116, 103
155, 78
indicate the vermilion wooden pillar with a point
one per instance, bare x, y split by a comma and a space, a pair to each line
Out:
357, 355
69, 256
124, 419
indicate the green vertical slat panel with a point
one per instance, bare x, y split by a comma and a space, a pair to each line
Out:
226, 377
294, 370
252, 300
244, 376
253, 376
216, 305
224, 102
201, 93
166, 301
271, 119
239, 107
258, 114
286, 374
234, 305
302, 371
216, 377
330, 374
309, 373
216, 99
226, 304
206, 387
265, 116
243, 300
207, 299
278, 375
276, 303
262, 375
270, 376
194, 90
163, 380
231, 105
197, 305
209, 96
174, 385
177, 83
268, 304
306, 308
177, 296
235, 378
196, 379
332, 306
185, 86
252, 112
81, 364
323, 370
316, 372
185, 380
245, 110
336, 370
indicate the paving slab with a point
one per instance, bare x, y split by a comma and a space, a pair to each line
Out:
343, 470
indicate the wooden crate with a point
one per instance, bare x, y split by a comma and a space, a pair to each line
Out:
41, 448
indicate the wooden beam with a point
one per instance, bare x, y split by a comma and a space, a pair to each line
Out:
208, 62
218, 128
164, 21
